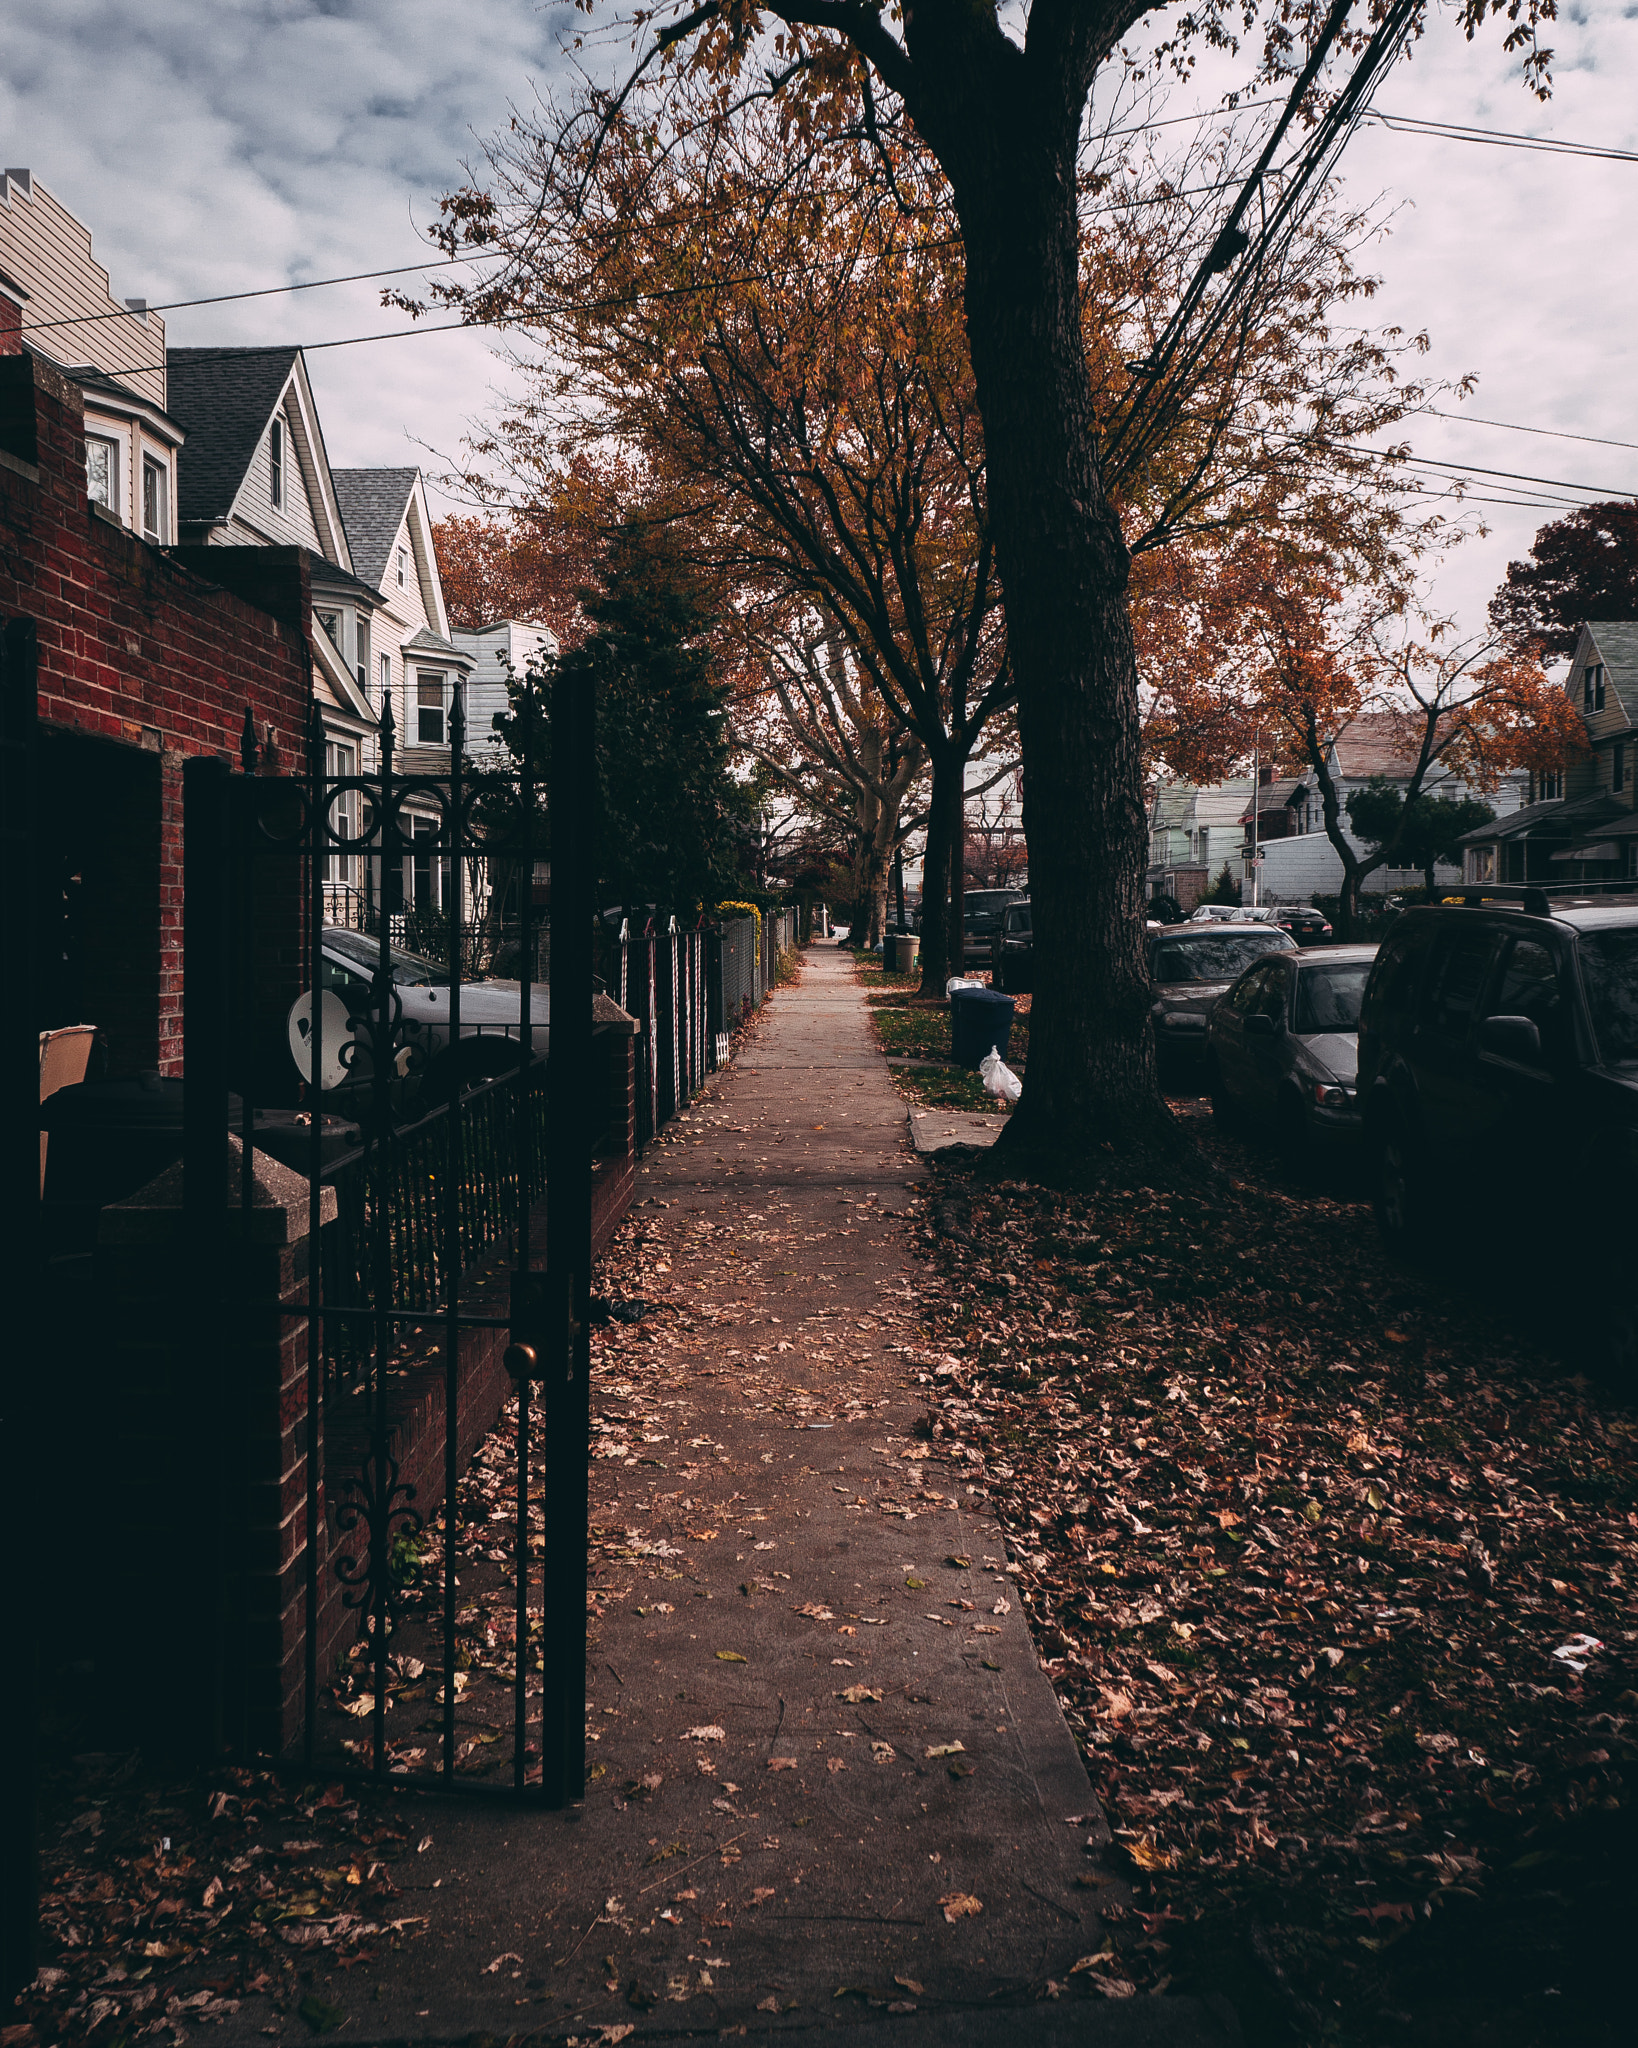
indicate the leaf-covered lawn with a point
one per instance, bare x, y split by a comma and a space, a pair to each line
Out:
1307, 1536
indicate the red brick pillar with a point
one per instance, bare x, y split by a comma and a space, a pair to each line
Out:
205, 1458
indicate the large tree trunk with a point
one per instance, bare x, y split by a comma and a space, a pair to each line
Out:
1064, 568
943, 836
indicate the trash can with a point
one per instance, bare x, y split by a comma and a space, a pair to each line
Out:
907, 951
979, 1018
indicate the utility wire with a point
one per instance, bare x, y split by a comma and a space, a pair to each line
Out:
1498, 138
266, 291
1513, 427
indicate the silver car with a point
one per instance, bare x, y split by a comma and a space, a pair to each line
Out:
1282, 1047
491, 1020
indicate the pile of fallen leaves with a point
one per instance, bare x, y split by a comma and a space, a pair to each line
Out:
166, 1902
1333, 1573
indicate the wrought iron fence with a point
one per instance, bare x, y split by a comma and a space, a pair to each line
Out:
491, 1173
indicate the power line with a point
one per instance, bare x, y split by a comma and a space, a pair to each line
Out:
1513, 427
1498, 138
268, 291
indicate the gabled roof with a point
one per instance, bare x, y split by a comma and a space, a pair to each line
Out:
424, 641
1373, 745
372, 504
1570, 814
224, 398
1617, 643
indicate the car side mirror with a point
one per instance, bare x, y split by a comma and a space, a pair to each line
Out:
1259, 1026
1510, 1038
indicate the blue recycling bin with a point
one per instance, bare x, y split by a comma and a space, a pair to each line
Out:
979, 1018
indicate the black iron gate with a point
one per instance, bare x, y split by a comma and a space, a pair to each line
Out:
428, 1133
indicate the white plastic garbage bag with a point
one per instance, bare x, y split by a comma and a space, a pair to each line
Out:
998, 1078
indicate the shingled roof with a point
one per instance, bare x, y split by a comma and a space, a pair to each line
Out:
372, 505
1617, 643
223, 398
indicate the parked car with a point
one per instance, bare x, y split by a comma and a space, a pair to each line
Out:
1191, 967
1282, 1048
1015, 951
1308, 926
981, 920
1498, 1076
491, 1028
1233, 913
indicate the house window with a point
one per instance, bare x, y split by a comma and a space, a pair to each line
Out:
102, 471
1481, 864
1618, 766
386, 676
275, 464
402, 565
429, 709
155, 501
331, 622
1549, 786
1592, 687
342, 817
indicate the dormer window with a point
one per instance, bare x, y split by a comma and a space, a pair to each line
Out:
275, 464
403, 564
1592, 687
429, 708
1549, 786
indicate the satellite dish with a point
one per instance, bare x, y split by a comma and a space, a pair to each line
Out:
335, 1028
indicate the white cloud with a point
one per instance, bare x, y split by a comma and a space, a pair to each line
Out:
221, 147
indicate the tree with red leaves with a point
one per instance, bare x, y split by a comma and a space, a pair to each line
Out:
1581, 567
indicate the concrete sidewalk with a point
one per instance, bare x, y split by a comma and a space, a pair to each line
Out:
830, 1786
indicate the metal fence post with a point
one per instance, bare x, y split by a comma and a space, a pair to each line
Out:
568, 1245
21, 1471
208, 979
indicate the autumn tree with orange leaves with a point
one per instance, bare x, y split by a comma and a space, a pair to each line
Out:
1283, 656
998, 108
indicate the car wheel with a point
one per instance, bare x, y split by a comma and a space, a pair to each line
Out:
1617, 1342
1224, 1109
1400, 1192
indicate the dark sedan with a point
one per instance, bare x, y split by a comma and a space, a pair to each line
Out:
1282, 1047
1191, 967
1308, 926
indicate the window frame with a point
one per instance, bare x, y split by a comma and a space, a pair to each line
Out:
428, 679
275, 464
1618, 767
153, 468
112, 502
402, 564
1592, 688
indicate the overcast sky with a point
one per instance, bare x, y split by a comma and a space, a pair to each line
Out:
223, 146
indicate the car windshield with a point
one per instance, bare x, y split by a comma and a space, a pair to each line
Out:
1328, 997
1017, 918
985, 902
1609, 967
1212, 955
409, 970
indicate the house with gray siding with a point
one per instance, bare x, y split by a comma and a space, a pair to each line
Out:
1579, 824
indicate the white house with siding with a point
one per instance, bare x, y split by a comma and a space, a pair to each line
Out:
55, 297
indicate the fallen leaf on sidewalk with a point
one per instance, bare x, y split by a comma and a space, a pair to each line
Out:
909, 1984
782, 1763
960, 1906
490, 1968
857, 1693
945, 1749
710, 1732
729, 1657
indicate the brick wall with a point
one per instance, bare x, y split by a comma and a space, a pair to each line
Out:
140, 650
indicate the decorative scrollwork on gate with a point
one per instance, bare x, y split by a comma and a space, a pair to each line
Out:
379, 1501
